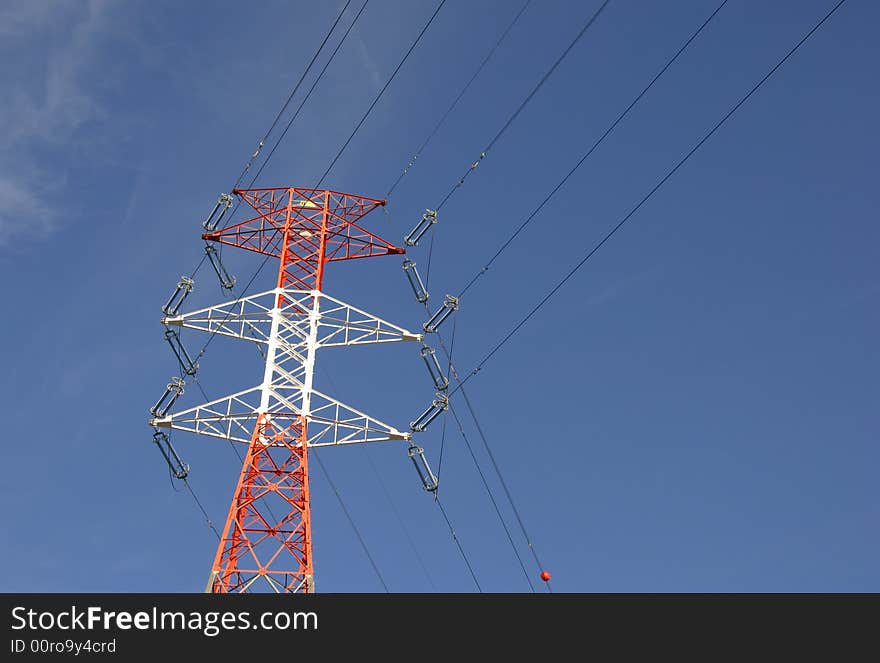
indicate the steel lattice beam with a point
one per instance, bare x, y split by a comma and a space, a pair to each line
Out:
280, 419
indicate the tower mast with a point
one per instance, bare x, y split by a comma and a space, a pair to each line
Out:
266, 543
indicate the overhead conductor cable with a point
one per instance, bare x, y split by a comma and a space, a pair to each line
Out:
537, 307
211, 223
524, 103
458, 98
545, 576
381, 92
592, 149
357, 127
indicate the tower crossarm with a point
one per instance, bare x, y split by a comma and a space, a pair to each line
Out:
231, 417
315, 221
331, 422
341, 324
247, 318
250, 318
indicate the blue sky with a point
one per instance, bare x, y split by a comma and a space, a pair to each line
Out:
695, 411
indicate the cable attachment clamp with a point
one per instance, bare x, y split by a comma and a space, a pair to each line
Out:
172, 392
224, 202
450, 305
441, 382
437, 407
429, 218
417, 456
184, 287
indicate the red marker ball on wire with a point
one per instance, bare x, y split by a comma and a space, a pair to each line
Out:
545, 576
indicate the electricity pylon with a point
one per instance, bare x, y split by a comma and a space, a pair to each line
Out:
266, 542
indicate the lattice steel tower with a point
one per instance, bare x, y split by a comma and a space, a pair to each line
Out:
266, 542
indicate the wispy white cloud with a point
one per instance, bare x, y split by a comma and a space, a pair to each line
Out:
614, 290
47, 100
23, 213
19, 18
367, 59
52, 107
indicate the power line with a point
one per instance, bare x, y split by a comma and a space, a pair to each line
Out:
448, 371
350, 520
300, 107
381, 92
646, 197
381, 481
510, 120
208, 522
458, 543
309, 93
266, 259
455, 101
430, 259
452, 369
516, 512
198, 502
231, 310
470, 449
290, 96
403, 526
272, 151
198, 266
523, 104
590, 151
256, 153
412, 543
286, 129
460, 182
232, 444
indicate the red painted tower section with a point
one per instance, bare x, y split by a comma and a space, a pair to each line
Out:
267, 534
